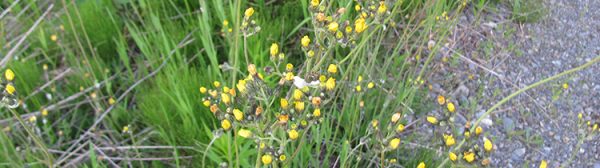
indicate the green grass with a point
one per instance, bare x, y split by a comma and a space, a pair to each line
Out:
114, 44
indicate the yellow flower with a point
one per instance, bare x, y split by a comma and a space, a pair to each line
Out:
249, 12
111, 101
284, 103
225, 23
225, 89
330, 84
206, 103
452, 156
262, 145
370, 85
225, 98
125, 128
467, 134
394, 143
382, 8
282, 157
44, 112
487, 144
289, 67
360, 78
305, 41
274, 49
451, 107
9, 74
54, 37
266, 159
543, 164
217, 83
226, 124
469, 156
245, 133
317, 112
241, 86
332, 68
297, 95
400, 128
311, 53
238, 114
357, 7
316, 101
421, 165
314, 3
333, 26
565, 86
393, 160
293, 134
283, 118
432, 119
348, 29
289, 76
449, 140
299, 106
358, 88
251, 69
258, 110
441, 99
478, 130
374, 123
360, 25
580, 116
396, 117
10, 89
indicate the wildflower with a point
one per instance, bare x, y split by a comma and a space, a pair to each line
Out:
452, 156
297, 95
249, 12
360, 78
305, 41
485, 162
394, 143
226, 124
225, 23
370, 85
469, 156
316, 101
125, 128
330, 84
245, 133
451, 107
321, 17
217, 83
580, 116
432, 119
282, 157
299, 106
478, 130
348, 29
382, 8
266, 159
258, 110
374, 123
333, 26
251, 69
543, 164
9, 75
206, 103
441, 100
311, 53
241, 86
10, 89
400, 128
314, 3
358, 88
32, 119
111, 101
565, 86
289, 67
284, 103
225, 89
396, 117
44, 112
595, 127
421, 165
238, 114
393, 160
449, 139
360, 25
317, 112
214, 108
304, 123
332, 68
274, 49
293, 134
225, 98
283, 118
289, 76
467, 134
262, 145
357, 7
487, 144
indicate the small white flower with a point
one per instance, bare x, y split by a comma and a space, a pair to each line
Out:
301, 83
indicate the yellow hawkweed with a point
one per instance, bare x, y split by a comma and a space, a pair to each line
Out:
274, 49
125, 129
467, 134
44, 112
382, 8
206, 103
441, 100
289, 76
396, 117
266, 159
225, 98
358, 88
297, 95
316, 101
469, 156
333, 26
400, 128
238, 114
360, 25
293, 134
449, 139
289, 67
314, 3
543, 164
432, 119
421, 165
225, 23
348, 29
249, 12
452, 156
394, 143
451, 107
241, 86
9, 75
360, 78
32, 119
332, 68
283, 118
299, 106
317, 112
10, 89
245, 133
478, 130
357, 7
580, 116
565, 86
251, 69
258, 110
111, 101
226, 89
375, 123
217, 83
311, 53
370, 85
487, 144
225, 124
282, 158
330, 84
54, 37
305, 41
284, 103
